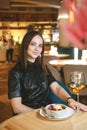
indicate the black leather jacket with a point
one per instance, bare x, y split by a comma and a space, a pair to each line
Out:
32, 85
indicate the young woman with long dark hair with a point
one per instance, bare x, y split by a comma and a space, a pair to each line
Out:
29, 80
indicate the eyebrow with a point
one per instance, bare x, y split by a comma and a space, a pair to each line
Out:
35, 42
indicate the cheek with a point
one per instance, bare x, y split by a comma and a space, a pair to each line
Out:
41, 50
30, 48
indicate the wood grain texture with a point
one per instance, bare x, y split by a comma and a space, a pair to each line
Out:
32, 121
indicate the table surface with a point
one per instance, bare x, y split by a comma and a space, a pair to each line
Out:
46, 53
67, 62
33, 120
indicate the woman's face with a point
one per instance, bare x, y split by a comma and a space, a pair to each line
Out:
35, 48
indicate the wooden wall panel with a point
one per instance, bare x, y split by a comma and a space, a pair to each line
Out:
28, 17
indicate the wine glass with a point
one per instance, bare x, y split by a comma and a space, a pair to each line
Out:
77, 82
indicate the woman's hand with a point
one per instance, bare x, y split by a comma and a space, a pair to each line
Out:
76, 105
82, 107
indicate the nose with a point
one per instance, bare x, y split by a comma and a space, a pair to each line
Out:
36, 48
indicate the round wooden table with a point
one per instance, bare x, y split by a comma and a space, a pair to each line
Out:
67, 62
34, 121
57, 55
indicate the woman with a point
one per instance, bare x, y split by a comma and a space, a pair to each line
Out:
29, 80
10, 46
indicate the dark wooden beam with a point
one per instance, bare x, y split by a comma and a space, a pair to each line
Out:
32, 17
36, 3
4, 4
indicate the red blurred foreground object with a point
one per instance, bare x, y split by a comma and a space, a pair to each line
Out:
76, 31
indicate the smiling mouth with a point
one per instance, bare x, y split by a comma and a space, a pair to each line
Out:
35, 53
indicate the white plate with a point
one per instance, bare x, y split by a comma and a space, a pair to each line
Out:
70, 112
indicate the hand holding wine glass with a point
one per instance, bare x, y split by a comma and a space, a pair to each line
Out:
77, 82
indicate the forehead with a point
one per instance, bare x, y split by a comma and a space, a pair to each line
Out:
37, 38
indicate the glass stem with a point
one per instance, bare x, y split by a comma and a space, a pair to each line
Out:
77, 97
78, 102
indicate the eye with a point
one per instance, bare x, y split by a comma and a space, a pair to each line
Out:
41, 45
32, 43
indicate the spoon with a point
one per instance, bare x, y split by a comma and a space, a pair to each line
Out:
45, 113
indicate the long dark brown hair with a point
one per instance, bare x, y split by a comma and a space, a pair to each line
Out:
24, 46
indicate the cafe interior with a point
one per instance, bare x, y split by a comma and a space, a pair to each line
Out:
61, 55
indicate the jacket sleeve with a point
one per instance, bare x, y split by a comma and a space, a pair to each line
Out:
14, 87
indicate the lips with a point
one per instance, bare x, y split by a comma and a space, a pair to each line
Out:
36, 53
